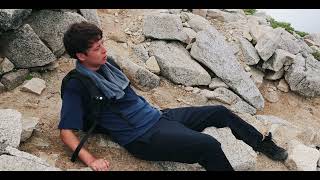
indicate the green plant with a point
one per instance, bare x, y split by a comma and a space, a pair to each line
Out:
29, 77
301, 33
285, 25
316, 55
249, 11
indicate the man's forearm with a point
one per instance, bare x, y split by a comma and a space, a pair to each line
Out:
72, 141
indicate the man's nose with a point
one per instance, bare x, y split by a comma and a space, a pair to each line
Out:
104, 50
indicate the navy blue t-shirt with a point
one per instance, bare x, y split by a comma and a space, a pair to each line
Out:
134, 107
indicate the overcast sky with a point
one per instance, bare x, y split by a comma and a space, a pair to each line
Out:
307, 20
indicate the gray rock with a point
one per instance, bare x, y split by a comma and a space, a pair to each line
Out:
278, 60
176, 166
288, 42
257, 31
12, 18
28, 125
91, 16
251, 56
272, 119
200, 12
139, 76
177, 65
198, 23
257, 19
315, 37
5, 66
235, 11
50, 26
243, 107
272, 96
81, 169
211, 50
51, 159
10, 127
216, 83
35, 85
301, 157
271, 75
257, 76
224, 16
22, 161
268, 43
283, 86
174, 11
226, 96
309, 42
25, 49
211, 95
13, 79
141, 52
240, 155
2, 88
152, 65
303, 76
164, 26
191, 34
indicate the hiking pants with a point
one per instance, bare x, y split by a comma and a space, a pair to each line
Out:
177, 137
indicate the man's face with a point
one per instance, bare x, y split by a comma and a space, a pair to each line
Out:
95, 56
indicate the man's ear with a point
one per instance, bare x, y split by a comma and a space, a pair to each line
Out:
81, 56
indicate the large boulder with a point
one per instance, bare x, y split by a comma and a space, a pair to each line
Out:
10, 127
212, 50
303, 76
25, 49
240, 155
315, 37
268, 43
50, 26
164, 26
13, 79
12, 18
15, 160
198, 23
302, 157
288, 42
224, 16
91, 16
5, 66
139, 76
177, 65
250, 54
278, 60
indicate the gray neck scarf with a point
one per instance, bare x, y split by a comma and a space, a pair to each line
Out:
112, 83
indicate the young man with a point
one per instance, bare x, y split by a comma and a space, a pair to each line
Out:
147, 133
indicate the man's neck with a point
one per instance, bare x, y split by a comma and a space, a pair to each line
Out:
92, 68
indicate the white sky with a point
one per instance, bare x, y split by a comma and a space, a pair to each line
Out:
307, 20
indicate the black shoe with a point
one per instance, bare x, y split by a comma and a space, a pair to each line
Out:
270, 149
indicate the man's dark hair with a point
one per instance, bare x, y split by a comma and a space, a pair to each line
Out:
80, 36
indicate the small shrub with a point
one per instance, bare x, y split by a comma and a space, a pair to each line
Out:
249, 11
301, 33
287, 26
316, 55
29, 77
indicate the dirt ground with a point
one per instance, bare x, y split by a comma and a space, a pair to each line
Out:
296, 109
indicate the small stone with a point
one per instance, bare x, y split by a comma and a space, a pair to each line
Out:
189, 88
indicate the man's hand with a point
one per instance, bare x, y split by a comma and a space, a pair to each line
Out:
99, 165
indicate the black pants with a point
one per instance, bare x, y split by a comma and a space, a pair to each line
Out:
177, 137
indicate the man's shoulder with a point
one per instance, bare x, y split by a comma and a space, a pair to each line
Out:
72, 82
